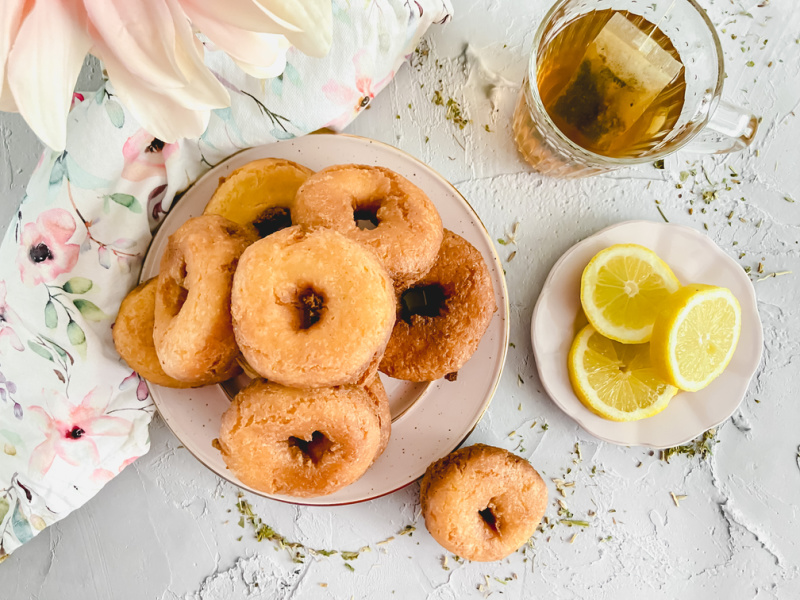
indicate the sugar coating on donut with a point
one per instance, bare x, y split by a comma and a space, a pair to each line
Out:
424, 347
133, 335
311, 308
481, 502
301, 443
192, 331
380, 400
407, 228
260, 193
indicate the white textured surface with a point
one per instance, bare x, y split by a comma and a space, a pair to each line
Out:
162, 529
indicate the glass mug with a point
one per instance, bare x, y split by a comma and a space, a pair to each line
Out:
691, 108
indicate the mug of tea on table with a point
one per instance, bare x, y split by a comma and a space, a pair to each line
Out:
613, 83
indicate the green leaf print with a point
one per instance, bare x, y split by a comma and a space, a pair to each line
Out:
77, 285
75, 334
115, 113
59, 170
22, 529
43, 352
89, 310
292, 74
127, 201
50, 315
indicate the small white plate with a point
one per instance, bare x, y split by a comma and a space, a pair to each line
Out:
429, 420
694, 259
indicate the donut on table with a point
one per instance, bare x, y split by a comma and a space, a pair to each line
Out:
311, 308
300, 443
378, 208
192, 331
443, 317
133, 335
481, 502
261, 194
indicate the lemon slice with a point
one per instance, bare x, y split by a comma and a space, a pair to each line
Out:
616, 381
622, 289
695, 335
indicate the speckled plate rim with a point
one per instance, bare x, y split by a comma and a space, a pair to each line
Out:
502, 314
671, 426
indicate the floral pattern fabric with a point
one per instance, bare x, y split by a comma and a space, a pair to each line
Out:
72, 413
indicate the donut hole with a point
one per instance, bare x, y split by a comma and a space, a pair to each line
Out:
310, 305
313, 449
424, 301
175, 292
366, 215
273, 219
489, 517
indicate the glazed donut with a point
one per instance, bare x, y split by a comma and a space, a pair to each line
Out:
261, 194
380, 401
133, 335
481, 502
407, 229
301, 443
192, 332
442, 318
311, 309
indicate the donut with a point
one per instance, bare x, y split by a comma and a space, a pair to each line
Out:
261, 194
192, 332
481, 502
442, 318
301, 443
380, 401
311, 308
378, 208
133, 335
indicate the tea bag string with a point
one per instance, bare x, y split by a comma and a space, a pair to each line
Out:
655, 27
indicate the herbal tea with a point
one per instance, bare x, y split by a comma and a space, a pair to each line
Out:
607, 88
612, 82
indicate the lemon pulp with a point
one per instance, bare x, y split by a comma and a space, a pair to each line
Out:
616, 381
695, 336
622, 289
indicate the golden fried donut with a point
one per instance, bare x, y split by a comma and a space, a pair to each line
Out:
481, 502
133, 335
380, 401
192, 332
261, 193
407, 229
302, 443
443, 317
311, 309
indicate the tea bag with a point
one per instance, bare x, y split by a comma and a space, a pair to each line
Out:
619, 77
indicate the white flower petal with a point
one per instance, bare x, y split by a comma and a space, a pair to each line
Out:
141, 34
259, 72
156, 112
203, 90
244, 14
314, 18
6, 97
43, 66
10, 19
261, 55
306, 23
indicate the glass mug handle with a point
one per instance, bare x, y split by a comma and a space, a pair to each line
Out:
729, 129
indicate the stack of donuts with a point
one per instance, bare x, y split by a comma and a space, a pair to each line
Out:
311, 283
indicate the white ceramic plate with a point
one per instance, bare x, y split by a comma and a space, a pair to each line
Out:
694, 259
428, 420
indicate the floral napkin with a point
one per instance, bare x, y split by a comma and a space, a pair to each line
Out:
72, 414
